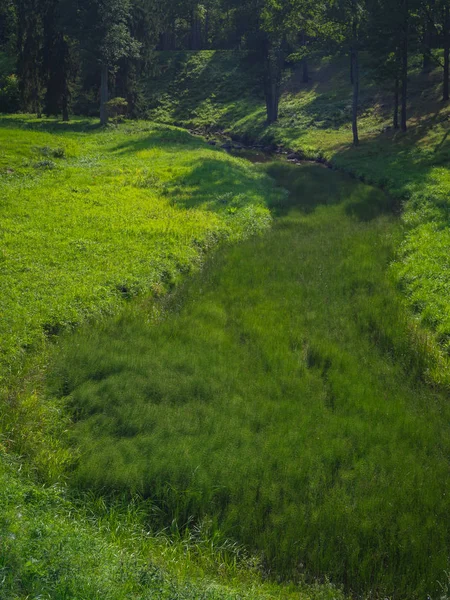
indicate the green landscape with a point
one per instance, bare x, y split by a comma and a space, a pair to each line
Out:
225, 318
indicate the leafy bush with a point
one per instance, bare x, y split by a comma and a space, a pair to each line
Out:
117, 108
9, 94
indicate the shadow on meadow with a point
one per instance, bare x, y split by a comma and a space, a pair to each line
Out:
170, 140
49, 125
401, 163
311, 185
216, 184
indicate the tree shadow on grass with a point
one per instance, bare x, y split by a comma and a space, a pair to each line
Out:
48, 125
311, 185
218, 185
165, 138
400, 162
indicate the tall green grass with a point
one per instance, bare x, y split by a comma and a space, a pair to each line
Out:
58, 548
280, 395
90, 216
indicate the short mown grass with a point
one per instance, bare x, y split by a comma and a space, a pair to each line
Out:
281, 395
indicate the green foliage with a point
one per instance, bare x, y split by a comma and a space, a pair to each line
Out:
202, 89
56, 548
9, 94
279, 394
117, 108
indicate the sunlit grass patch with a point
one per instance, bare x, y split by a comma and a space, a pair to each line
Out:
315, 121
91, 217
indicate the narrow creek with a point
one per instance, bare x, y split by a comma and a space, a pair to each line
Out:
279, 400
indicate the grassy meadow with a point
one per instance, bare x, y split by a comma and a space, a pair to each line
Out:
91, 218
279, 396
202, 91
53, 546
182, 423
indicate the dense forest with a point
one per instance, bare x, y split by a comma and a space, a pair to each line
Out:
88, 56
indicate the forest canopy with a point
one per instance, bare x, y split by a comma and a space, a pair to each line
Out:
62, 56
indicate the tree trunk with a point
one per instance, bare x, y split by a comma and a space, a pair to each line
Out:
272, 79
396, 102
355, 75
355, 102
427, 43
206, 40
65, 105
404, 116
104, 95
196, 30
305, 69
272, 103
446, 52
352, 80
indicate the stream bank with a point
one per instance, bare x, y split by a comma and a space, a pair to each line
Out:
279, 400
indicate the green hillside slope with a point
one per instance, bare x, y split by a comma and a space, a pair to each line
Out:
315, 121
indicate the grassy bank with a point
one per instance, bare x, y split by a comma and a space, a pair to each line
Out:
278, 395
91, 218
315, 120
53, 547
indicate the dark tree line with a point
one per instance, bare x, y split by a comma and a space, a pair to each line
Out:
64, 46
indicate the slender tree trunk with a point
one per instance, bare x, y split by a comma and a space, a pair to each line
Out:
355, 103
352, 80
305, 69
427, 42
196, 30
272, 80
355, 76
65, 105
206, 41
404, 116
446, 52
396, 102
271, 105
104, 95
